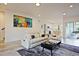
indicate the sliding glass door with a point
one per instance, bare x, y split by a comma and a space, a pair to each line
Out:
69, 29
76, 26
72, 28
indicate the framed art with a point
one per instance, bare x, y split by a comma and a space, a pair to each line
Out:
20, 21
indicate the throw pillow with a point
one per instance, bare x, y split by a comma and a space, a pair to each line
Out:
43, 35
32, 36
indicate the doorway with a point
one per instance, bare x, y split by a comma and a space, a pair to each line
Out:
2, 30
72, 33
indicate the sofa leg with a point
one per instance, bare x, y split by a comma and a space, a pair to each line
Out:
51, 53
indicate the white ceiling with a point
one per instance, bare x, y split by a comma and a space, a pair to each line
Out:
46, 10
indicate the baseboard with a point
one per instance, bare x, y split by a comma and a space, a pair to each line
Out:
11, 45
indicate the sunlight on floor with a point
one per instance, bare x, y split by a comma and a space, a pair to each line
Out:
11, 52
74, 42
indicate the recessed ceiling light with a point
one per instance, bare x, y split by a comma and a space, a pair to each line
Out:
5, 3
37, 4
71, 6
39, 15
64, 13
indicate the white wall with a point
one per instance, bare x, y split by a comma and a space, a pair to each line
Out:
71, 19
17, 33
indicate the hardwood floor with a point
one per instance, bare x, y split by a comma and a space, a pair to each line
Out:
10, 49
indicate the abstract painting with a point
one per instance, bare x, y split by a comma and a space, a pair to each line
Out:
20, 21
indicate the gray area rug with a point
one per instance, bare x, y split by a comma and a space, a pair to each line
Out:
70, 47
63, 50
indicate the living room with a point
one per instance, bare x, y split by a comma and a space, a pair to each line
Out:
48, 20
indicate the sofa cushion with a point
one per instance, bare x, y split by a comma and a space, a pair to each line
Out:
37, 35
35, 40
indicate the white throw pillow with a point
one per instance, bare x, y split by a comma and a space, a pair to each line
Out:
37, 35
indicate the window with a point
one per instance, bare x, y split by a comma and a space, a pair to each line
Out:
69, 28
72, 28
76, 26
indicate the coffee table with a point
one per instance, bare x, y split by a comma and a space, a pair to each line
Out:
49, 45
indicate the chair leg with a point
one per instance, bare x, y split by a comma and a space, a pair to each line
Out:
51, 53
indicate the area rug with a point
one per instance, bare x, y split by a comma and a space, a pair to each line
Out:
37, 51
71, 47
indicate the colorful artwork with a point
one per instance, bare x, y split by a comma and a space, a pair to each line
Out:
20, 21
